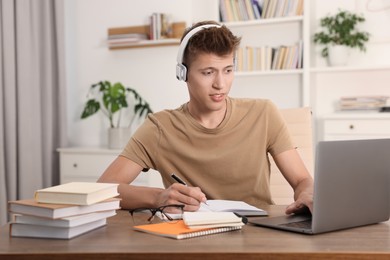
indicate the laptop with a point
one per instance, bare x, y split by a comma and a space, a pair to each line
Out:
351, 188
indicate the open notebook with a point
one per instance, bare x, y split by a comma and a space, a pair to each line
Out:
239, 207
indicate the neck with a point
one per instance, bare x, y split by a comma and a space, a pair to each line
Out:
209, 119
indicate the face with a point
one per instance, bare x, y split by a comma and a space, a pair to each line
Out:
210, 78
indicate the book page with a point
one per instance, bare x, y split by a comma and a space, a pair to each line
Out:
239, 207
227, 205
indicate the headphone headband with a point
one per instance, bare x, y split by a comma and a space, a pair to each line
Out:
181, 69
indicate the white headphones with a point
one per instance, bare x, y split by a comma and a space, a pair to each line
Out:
181, 69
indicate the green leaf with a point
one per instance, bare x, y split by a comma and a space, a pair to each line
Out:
91, 107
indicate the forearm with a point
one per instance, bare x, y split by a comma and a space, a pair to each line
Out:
124, 171
138, 196
304, 188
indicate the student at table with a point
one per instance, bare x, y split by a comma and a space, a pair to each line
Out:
218, 145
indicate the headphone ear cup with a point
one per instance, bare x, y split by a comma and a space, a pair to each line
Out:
181, 72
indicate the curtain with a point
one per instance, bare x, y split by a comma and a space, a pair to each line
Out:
32, 97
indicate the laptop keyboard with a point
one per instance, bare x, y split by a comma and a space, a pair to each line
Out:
300, 224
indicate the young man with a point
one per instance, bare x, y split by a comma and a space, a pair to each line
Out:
218, 145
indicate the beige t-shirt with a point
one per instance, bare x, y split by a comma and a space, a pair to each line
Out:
227, 162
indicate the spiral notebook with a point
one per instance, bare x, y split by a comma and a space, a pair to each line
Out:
179, 230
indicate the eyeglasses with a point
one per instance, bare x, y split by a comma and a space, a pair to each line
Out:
168, 213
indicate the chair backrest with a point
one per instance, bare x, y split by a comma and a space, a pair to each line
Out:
299, 123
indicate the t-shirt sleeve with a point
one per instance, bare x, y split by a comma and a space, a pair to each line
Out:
143, 143
279, 135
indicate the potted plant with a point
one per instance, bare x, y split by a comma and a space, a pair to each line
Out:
339, 35
112, 100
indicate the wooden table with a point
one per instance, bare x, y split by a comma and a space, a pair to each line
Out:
118, 241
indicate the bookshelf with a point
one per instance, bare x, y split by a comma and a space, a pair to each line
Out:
315, 84
269, 83
174, 39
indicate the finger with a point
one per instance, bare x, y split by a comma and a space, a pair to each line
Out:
298, 208
190, 195
294, 207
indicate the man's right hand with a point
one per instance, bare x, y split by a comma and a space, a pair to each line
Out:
190, 197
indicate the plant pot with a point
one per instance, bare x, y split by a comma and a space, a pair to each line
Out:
338, 55
118, 137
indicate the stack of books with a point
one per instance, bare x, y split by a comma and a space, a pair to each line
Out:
363, 103
118, 40
64, 211
263, 58
245, 10
160, 26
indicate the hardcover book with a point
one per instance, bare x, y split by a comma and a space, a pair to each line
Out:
66, 222
38, 231
77, 193
54, 211
211, 219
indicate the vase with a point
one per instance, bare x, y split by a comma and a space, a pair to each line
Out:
118, 137
338, 55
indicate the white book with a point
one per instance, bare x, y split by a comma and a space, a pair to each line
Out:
77, 193
211, 219
38, 231
66, 222
54, 211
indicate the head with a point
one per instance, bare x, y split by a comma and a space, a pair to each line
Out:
204, 37
208, 62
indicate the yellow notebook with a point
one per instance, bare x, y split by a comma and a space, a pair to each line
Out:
179, 230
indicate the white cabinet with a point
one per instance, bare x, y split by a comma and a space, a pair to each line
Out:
330, 84
88, 164
351, 126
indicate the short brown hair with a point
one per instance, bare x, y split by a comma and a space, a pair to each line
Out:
219, 41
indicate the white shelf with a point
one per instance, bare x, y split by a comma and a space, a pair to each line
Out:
358, 115
265, 21
146, 43
349, 68
268, 72
92, 150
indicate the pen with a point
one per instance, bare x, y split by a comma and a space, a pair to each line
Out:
179, 180
176, 178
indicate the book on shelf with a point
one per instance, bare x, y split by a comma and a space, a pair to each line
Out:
262, 58
44, 231
211, 219
363, 102
246, 10
160, 26
77, 193
178, 230
55, 211
66, 222
257, 9
123, 39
